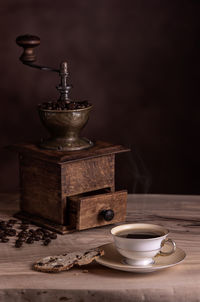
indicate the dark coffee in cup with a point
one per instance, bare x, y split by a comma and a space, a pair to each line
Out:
139, 234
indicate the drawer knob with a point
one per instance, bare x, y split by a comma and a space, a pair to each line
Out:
107, 214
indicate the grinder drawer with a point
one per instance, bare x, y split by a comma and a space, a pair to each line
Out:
97, 210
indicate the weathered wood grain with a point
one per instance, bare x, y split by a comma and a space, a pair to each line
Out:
41, 189
88, 175
45, 186
181, 214
100, 148
48, 178
85, 211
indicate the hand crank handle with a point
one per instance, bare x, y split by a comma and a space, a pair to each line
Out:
29, 42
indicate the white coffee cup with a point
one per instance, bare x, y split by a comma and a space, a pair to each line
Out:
141, 251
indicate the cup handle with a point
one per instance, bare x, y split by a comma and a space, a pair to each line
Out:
173, 247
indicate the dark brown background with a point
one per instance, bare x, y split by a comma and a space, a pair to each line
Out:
136, 61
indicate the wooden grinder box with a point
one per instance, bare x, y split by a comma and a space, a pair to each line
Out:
68, 191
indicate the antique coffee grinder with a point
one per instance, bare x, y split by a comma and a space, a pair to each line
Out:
67, 182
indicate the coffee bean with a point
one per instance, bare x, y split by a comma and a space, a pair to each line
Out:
2, 224
53, 236
38, 233
37, 238
71, 106
22, 239
12, 221
47, 241
40, 229
31, 231
25, 221
22, 234
18, 243
3, 228
23, 227
9, 225
44, 237
4, 239
11, 232
30, 240
47, 233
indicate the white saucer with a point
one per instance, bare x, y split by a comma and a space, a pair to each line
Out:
113, 259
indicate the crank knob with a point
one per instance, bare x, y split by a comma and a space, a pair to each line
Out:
107, 215
28, 42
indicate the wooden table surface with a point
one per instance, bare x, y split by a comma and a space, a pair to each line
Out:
180, 214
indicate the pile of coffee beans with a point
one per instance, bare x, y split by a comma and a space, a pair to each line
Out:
23, 233
64, 105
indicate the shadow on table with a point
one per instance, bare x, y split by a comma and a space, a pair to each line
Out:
97, 269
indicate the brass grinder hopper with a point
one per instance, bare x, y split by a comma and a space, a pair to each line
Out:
65, 118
